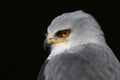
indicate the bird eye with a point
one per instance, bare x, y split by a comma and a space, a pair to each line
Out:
63, 33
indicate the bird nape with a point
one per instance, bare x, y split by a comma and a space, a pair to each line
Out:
78, 50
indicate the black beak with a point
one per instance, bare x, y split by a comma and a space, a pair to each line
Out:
46, 45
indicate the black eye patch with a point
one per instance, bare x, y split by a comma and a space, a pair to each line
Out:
62, 33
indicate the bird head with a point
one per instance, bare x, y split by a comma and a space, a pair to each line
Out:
73, 29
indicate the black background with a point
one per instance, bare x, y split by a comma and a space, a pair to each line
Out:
25, 50
3, 3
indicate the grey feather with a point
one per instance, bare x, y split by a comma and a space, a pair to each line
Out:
41, 75
94, 62
86, 56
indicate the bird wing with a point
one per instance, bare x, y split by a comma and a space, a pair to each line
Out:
41, 75
94, 62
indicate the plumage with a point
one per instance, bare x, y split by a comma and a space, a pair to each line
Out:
86, 59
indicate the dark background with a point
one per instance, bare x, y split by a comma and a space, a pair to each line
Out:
28, 27
3, 4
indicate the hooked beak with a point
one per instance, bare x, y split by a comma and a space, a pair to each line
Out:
50, 41
46, 44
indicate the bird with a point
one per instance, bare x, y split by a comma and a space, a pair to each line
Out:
78, 50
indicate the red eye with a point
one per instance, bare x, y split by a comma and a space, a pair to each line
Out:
65, 34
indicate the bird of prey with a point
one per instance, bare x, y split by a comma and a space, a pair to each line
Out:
78, 50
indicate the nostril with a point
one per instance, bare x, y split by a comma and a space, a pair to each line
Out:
50, 38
